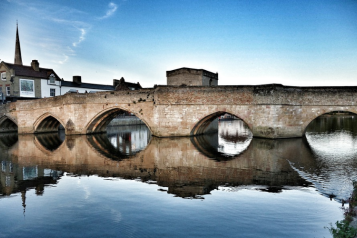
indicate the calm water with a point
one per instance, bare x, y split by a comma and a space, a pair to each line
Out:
128, 184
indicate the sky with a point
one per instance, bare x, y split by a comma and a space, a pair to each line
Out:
248, 42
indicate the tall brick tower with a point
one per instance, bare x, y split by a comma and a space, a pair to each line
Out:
18, 59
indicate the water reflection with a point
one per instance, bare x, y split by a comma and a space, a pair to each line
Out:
271, 182
129, 139
332, 142
233, 138
184, 165
121, 142
7, 140
51, 141
172, 163
16, 177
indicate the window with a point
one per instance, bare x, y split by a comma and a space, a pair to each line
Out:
52, 92
52, 79
27, 88
3, 76
7, 181
7, 90
3, 166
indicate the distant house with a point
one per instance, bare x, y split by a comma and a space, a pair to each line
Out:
77, 86
25, 82
30, 82
122, 85
191, 77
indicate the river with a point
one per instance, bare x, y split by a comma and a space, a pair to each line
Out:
127, 183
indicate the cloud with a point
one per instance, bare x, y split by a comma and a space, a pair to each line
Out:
65, 59
81, 37
112, 8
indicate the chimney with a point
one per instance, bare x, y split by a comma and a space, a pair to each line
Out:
35, 65
77, 79
115, 82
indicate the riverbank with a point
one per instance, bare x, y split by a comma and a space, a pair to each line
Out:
347, 228
353, 207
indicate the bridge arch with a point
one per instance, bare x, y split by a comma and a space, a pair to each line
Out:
202, 125
102, 119
7, 124
313, 116
47, 123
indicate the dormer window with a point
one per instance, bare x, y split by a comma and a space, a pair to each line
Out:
52, 79
3, 76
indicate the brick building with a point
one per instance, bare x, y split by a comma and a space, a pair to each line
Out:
19, 81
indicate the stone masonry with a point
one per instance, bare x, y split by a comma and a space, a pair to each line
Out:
270, 111
191, 77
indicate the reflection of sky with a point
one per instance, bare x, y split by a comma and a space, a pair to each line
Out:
336, 155
340, 145
127, 208
234, 137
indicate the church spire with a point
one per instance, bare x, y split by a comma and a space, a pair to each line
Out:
23, 197
18, 59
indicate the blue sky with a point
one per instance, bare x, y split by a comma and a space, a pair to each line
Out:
302, 42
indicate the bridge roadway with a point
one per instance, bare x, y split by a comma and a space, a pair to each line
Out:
270, 111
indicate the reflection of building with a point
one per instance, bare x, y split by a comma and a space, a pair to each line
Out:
191, 77
14, 178
129, 139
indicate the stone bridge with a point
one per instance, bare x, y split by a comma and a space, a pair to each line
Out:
270, 111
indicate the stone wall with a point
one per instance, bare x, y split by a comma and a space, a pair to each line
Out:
185, 79
270, 111
191, 77
208, 81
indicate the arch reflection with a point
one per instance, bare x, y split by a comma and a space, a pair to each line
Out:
233, 138
51, 141
332, 140
178, 165
121, 142
333, 136
8, 140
